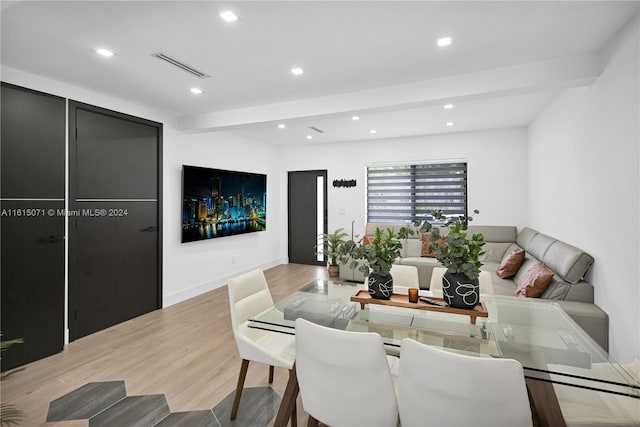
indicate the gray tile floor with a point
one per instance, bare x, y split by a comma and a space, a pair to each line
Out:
106, 404
86, 401
257, 408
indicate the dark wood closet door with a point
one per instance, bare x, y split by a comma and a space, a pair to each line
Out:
32, 149
114, 272
33, 144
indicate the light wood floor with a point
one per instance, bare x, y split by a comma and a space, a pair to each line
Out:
185, 351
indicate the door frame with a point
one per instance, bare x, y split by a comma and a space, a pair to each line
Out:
325, 212
73, 107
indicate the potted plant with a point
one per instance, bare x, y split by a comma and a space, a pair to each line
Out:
330, 247
9, 414
460, 255
374, 258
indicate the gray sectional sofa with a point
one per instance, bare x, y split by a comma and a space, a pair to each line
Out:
567, 288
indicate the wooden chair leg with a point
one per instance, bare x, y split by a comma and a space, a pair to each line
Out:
312, 422
270, 374
288, 402
236, 401
294, 415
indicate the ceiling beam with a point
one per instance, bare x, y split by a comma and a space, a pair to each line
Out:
574, 71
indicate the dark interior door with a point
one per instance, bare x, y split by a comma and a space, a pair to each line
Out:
32, 150
304, 187
114, 254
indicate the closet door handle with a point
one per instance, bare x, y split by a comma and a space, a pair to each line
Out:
51, 239
150, 229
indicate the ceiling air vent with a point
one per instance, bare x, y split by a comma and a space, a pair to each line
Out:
316, 129
189, 69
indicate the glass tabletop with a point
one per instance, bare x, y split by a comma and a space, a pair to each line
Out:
539, 334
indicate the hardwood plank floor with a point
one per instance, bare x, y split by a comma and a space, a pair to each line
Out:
185, 351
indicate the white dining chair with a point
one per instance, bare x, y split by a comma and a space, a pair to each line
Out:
440, 388
344, 377
249, 296
405, 276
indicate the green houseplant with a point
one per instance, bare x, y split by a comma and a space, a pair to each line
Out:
330, 247
461, 257
374, 258
9, 414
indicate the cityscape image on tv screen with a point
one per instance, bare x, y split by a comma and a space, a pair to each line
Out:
218, 203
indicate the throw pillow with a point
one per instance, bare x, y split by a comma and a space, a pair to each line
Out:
426, 245
368, 240
510, 264
534, 282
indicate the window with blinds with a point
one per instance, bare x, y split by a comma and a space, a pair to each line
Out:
407, 193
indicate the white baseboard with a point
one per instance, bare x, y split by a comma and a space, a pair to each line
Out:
194, 291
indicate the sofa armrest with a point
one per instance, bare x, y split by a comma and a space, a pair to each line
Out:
589, 317
581, 291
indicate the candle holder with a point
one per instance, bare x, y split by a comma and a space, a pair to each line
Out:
413, 294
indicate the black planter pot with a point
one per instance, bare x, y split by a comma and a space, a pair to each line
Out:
380, 286
459, 291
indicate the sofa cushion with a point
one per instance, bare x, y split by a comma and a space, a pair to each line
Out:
494, 252
534, 282
510, 263
525, 236
500, 286
495, 233
539, 245
567, 261
411, 247
557, 289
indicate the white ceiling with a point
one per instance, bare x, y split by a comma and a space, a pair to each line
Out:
376, 59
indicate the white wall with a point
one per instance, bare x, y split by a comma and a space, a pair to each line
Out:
196, 267
192, 268
584, 183
497, 171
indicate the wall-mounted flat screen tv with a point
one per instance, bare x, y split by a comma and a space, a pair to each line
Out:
218, 203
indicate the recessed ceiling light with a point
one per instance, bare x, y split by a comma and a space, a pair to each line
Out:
354, 118
309, 137
444, 41
196, 90
228, 16
448, 106
449, 123
104, 52
373, 131
282, 126
296, 71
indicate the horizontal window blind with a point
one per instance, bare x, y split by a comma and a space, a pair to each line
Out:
407, 193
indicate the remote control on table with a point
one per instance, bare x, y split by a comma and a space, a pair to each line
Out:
433, 302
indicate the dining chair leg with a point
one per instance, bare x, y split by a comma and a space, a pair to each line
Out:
312, 422
294, 415
270, 374
236, 401
288, 402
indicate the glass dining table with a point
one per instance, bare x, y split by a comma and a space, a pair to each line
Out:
555, 352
